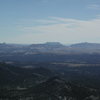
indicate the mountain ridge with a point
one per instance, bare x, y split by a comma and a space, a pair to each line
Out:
50, 51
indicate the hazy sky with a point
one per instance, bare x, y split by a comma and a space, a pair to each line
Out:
36, 21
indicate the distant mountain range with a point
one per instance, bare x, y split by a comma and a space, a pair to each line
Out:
51, 47
50, 51
86, 45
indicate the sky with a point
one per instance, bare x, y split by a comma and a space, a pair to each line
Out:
39, 21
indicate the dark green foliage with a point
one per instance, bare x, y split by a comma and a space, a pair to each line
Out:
53, 89
49, 81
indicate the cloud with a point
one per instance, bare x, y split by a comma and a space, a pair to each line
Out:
63, 30
46, 21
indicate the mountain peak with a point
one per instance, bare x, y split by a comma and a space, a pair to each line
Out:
53, 43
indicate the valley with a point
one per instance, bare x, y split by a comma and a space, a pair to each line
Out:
39, 75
